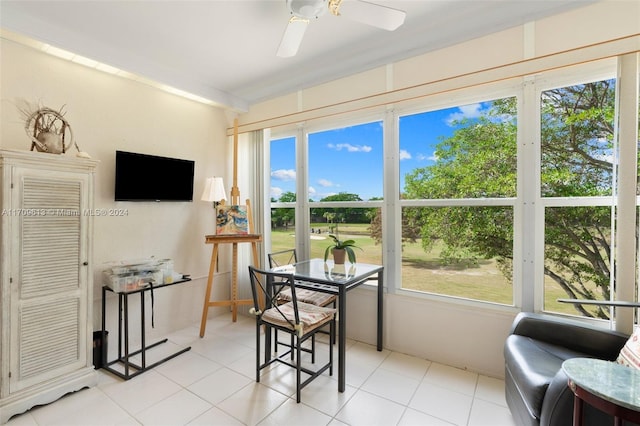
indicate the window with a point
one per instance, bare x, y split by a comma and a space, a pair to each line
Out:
345, 182
460, 163
495, 201
283, 193
344, 189
577, 169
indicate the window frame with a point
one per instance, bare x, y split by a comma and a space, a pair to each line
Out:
509, 89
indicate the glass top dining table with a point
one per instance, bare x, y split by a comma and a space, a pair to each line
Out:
327, 277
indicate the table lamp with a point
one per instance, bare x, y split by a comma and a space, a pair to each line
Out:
214, 191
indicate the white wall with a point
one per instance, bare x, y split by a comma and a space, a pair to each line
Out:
109, 113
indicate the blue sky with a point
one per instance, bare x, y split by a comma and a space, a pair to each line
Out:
350, 159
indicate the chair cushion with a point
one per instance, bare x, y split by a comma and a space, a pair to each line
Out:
630, 353
308, 296
533, 364
311, 316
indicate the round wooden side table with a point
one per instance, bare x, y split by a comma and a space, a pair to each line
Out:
605, 385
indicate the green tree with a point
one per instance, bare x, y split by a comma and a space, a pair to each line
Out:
342, 214
287, 197
410, 231
577, 145
479, 161
283, 217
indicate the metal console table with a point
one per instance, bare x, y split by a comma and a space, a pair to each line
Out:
131, 368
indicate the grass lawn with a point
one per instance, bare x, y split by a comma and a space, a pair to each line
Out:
423, 271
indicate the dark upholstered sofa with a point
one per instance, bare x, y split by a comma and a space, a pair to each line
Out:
535, 385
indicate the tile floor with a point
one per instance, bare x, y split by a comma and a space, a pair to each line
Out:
214, 384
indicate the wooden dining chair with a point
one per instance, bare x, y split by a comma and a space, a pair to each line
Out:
300, 320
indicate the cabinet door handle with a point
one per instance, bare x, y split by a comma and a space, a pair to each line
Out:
85, 263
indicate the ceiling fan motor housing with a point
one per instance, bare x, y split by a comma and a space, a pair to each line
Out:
307, 9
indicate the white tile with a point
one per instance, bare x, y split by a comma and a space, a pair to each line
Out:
362, 361
219, 385
88, 406
322, 394
336, 422
186, 336
492, 390
452, 378
105, 378
442, 403
215, 417
413, 417
159, 352
129, 421
245, 365
252, 403
214, 384
365, 354
141, 392
218, 322
243, 331
368, 409
391, 385
292, 413
220, 349
178, 409
281, 378
187, 368
357, 372
407, 365
485, 413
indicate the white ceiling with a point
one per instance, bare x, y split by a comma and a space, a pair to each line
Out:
225, 50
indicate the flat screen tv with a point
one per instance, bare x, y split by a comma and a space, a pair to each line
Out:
143, 177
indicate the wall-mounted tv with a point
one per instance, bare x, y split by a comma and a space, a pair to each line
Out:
143, 177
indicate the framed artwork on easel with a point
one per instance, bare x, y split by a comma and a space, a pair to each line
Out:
232, 220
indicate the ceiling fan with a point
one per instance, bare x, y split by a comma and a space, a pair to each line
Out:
303, 11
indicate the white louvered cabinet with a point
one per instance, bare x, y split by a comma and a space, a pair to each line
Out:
45, 277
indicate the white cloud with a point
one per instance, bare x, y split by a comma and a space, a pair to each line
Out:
349, 147
276, 192
424, 157
284, 174
405, 155
312, 191
325, 183
465, 111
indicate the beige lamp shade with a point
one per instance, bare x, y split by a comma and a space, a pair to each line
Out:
214, 190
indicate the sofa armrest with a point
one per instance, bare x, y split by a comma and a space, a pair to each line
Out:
572, 334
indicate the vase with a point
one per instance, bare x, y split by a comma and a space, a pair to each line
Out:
338, 256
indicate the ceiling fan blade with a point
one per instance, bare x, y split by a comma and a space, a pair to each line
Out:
292, 37
375, 15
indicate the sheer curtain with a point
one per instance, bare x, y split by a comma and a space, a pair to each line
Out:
250, 184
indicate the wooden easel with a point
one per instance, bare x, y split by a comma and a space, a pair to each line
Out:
216, 240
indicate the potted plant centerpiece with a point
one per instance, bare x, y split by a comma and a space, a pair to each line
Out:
341, 249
